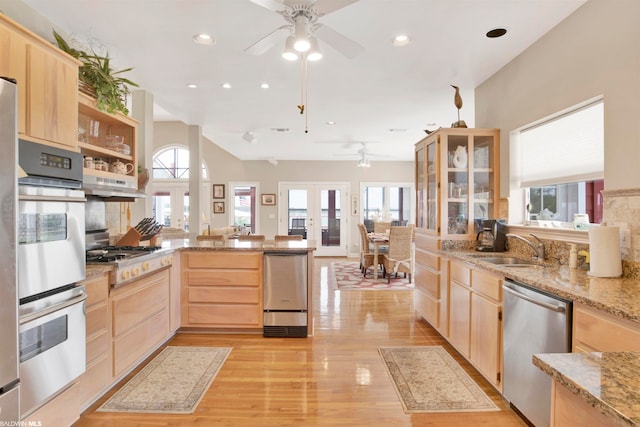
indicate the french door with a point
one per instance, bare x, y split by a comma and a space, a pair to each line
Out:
170, 204
317, 211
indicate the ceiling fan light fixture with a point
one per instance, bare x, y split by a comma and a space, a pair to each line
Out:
301, 43
289, 52
364, 162
314, 53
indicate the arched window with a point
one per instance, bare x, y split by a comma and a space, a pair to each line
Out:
173, 163
170, 188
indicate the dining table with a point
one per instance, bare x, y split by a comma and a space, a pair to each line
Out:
378, 240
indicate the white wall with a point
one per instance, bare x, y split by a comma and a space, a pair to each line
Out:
225, 168
595, 51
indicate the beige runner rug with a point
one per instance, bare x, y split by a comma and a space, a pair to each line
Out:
172, 383
428, 379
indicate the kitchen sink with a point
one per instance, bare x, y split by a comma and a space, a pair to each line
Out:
509, 261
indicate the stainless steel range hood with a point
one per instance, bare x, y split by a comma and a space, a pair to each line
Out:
112, 190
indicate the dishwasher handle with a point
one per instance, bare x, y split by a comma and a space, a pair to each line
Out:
556, 308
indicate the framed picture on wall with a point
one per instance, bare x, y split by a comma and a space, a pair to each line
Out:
268, 199
218, 207
218, 191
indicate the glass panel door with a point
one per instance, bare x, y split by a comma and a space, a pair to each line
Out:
432, 187
171, 207
315, 212
457, 184
483, 170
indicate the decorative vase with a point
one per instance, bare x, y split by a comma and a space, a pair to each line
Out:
143, 179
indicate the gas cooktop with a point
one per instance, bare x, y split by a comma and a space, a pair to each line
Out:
108, 254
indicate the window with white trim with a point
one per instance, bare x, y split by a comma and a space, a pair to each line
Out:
560, 164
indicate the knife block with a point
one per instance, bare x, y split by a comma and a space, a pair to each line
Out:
131, 238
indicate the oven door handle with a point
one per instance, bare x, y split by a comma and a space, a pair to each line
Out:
54, 307
38, 198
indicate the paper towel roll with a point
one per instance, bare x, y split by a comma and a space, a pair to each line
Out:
604, 249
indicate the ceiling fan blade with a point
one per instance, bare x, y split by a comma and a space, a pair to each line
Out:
341, 43
325, 7
272, 5
267, 42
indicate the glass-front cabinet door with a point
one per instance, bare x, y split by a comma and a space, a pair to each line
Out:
457, 180
427, 185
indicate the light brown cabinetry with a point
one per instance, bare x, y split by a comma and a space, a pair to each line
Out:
485, 351
222, 289
95, 131
595, 330
47, 85
139, 320
460, 306
475, 318
569, 410
174, 293
430, 287
457, 181
97, 377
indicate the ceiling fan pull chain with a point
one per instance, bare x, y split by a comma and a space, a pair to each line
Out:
306, 93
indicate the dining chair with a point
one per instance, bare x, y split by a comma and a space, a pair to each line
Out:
285, 237
366, 256
381, 227
251, 238
399, 257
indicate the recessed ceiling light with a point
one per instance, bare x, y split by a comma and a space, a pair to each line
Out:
331, 123
203, 38
264, 85
401, 40
496, 32
397, 130
226, 85
192, 86
280, 129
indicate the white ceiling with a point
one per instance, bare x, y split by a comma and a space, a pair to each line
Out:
384, 88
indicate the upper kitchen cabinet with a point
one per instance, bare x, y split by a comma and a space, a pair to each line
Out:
457, 178
108, 143
47, 85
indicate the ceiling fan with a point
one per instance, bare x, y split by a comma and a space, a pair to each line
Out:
363, 155
303, 27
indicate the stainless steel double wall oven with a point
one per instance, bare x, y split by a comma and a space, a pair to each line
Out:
51, 260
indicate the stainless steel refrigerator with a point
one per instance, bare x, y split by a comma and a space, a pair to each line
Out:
9, 363
285, 294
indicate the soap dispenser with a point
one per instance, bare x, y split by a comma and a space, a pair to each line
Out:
573, 256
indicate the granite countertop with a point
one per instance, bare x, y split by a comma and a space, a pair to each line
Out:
235, 245
606, 381
617, 296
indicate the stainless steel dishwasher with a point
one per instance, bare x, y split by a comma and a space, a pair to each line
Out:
534, 322
285, 294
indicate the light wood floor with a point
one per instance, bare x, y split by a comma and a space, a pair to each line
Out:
335, 378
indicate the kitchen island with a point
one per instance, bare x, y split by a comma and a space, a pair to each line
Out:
221, 287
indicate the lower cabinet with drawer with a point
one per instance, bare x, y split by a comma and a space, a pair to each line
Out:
222, 290
595, 331
431, 295
97, 378
140, 320
475, 318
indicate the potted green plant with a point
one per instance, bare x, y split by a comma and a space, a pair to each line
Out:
108, 86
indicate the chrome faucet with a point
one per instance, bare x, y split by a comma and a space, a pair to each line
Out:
538, 247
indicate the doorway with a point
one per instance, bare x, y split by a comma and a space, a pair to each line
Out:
317, 211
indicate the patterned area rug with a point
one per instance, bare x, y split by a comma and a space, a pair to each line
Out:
347, 276
172, 383
428, 379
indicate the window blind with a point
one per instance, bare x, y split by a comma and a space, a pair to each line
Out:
568, 148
